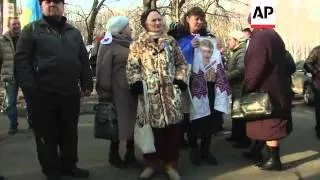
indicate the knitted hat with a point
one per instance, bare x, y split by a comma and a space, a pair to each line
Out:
238, 35
117, 23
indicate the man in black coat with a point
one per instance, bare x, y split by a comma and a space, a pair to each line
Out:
52, 68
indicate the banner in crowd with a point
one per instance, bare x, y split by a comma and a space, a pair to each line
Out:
199, 92
31, 11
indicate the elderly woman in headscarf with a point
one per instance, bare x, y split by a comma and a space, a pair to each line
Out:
155, 58
112, 85
237, 45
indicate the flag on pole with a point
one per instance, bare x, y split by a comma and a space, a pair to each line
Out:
31, 11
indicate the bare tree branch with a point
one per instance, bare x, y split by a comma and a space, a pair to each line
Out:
241, 2
181, 3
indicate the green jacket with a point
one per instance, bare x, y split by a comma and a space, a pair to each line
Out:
6, 57
52, 59
236, 70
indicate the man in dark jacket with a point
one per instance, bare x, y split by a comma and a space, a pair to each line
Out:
51, 63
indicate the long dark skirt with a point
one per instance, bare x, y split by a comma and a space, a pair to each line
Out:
209, 124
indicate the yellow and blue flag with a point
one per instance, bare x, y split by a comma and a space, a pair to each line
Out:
31, 11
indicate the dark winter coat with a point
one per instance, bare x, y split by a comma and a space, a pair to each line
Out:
112, 83
52, 59
268, 70
236, 70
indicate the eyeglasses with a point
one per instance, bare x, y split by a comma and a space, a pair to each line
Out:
54, 1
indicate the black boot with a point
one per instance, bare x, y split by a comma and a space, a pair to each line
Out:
195, 156
317, 128
130, 157
273, 163
114, 156
75, 173
205, 150
183, 130
51, 177
255, 152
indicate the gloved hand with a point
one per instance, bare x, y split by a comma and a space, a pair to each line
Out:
137, 88
182, 85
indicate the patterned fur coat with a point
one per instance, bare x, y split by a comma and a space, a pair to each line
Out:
158, 63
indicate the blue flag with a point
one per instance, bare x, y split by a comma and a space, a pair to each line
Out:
31, 11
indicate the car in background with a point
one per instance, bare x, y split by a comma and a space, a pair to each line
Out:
302, 84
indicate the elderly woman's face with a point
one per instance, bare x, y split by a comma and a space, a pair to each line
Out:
232, 43
154, 22
195, 23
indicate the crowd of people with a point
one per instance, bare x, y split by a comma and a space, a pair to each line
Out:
49, 62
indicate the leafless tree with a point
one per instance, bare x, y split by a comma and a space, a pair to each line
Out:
90, 19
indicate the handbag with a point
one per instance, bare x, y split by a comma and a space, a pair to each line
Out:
252, 106
143, 134
143, 138
105, 122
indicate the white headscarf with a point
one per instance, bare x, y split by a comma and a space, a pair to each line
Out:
114, 25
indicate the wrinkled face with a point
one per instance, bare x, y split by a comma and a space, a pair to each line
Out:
52, 7
247, 35
195, 23
206, 53
14, 26
154, 22
232, 43
127, 30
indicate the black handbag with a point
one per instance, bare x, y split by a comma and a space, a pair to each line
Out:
252, 106
105, 122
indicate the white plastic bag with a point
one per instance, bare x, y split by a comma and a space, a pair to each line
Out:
143, 135
143, 138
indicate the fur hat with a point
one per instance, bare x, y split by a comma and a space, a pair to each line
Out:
238, 35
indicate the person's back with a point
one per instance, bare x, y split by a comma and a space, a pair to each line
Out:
274, 64
267, 70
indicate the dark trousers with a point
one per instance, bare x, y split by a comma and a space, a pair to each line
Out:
114, 146
184, 127
167, 143
205, 140
55, 122
317, 108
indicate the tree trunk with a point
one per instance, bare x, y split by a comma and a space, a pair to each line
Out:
96, 6
176, 6
149, 4
91, 25
1, 15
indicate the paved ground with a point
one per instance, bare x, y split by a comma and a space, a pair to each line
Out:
300, 153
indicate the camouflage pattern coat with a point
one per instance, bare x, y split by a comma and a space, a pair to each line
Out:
158, 64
